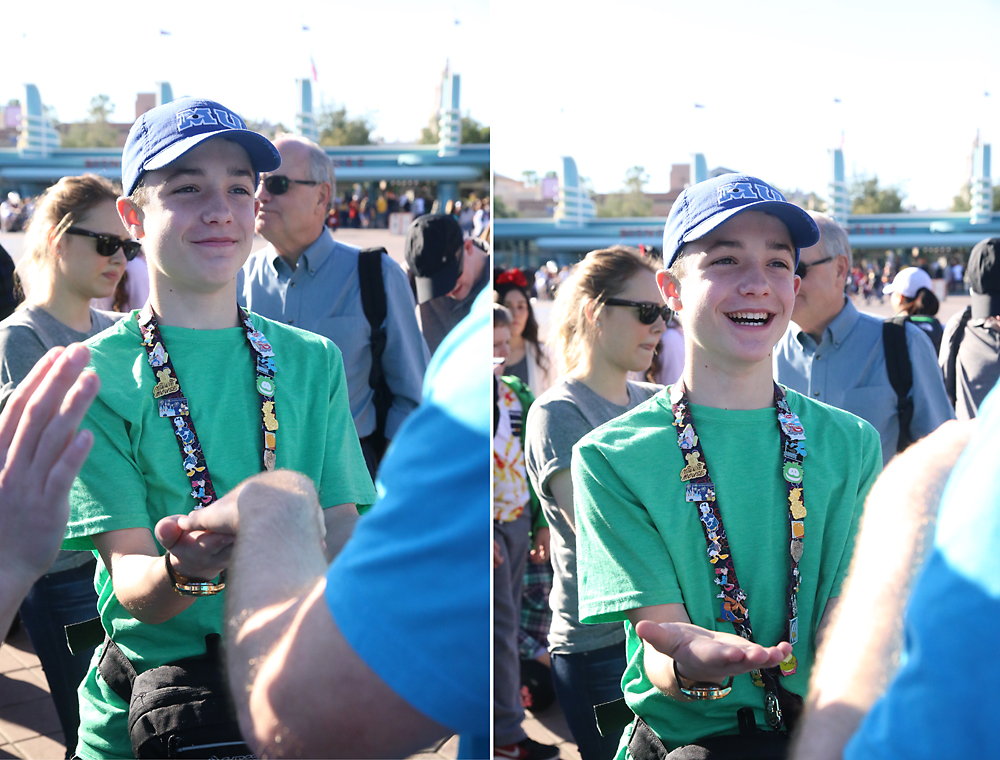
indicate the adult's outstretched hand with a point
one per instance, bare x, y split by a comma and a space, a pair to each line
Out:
41, 453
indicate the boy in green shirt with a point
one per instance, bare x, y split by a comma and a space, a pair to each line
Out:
196, 396
711, 477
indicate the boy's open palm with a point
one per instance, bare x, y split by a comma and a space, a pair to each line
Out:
704, 655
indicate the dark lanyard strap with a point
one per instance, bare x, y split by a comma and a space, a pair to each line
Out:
173, 404
700, 489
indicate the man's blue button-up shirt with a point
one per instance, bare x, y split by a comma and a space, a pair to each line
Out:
323, 295
847, 370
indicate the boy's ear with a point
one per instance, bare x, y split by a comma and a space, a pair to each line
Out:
670, 289
132, 217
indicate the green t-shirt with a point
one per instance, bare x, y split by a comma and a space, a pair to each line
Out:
641, 544
134, 476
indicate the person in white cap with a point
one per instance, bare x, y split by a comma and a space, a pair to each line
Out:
912, 296
833, 353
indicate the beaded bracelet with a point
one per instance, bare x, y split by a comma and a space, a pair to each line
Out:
194, 588
701, 689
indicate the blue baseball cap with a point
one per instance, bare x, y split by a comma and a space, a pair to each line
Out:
165, 133
701, 208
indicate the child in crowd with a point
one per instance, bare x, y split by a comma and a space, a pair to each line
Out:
514, 506
196, 396
723, 472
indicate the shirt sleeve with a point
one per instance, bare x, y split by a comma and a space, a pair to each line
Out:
552, 429
871, 468
931, 407
405, 358
345, 476
411, 590
20, 349
622, 562
110, 492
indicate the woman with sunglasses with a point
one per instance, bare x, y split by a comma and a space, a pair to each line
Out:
75, 250
607, 320
528, 360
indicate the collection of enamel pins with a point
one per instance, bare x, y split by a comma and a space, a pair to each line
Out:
700, 490
174, 405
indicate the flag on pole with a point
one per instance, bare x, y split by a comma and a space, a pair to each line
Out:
312, 63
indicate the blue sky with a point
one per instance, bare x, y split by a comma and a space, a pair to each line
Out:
618, 88
381, 58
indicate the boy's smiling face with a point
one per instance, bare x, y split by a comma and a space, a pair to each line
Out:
197, 221
736, 291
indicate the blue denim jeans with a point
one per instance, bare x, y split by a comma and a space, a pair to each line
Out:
582, 681
57, 600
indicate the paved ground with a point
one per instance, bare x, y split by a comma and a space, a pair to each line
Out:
550, 727
29, 725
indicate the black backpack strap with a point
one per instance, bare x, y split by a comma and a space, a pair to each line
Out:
116, 670
950, 375
897, 363
373, 301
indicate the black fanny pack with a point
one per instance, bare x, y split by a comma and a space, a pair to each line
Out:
181, 709
749, 744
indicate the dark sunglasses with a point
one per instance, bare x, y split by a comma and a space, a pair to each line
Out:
648, 311
108, 245
277, 184
802, 269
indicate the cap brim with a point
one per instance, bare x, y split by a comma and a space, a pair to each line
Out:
441, 283
264, 156
984, 305
800, 225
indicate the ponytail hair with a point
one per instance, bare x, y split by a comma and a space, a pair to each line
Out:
923, 303
601, 275
60, 207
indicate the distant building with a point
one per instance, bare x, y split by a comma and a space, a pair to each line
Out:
680, 178
527, 201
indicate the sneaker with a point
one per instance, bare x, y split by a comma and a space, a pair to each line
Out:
527, 749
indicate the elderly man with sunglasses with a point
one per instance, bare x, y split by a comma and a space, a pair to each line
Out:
833, 353
307, 279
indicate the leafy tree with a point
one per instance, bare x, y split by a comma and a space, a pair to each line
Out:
473, 133
500, 210
336, 128
868, 198
636, 179
266, 128
631, 200
963, 201
529, 178
95, 131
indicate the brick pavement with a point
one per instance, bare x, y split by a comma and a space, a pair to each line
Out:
29, 725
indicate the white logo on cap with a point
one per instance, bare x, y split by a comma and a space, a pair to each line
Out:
747, 191
202, 116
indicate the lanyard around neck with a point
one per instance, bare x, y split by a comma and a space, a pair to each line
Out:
173, 405
700, 489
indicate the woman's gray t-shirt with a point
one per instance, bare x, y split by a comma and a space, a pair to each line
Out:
556, 421
25, 337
